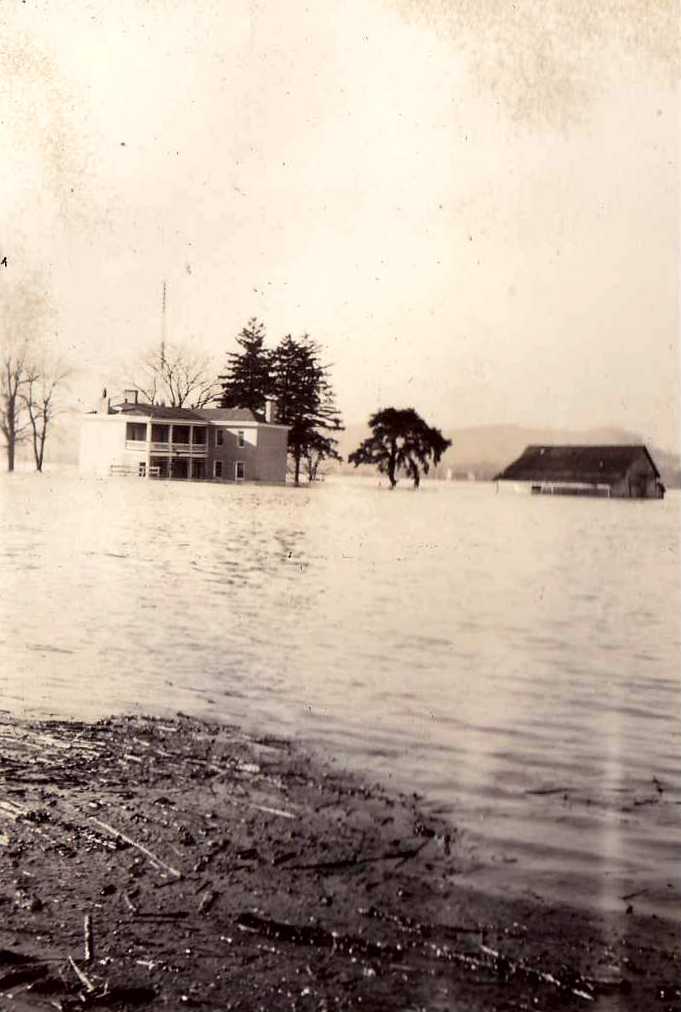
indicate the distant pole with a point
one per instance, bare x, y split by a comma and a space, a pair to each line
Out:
163, 325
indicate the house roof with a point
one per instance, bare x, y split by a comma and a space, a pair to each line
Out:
227, 414
162, 413
604, 464
159, 411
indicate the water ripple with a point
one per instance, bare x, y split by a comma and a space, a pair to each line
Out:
469, 646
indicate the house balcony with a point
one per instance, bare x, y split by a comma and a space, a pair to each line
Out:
179, 449
184, 449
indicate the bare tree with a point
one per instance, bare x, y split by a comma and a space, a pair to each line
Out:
175, 375
40, 395
318, 449
14, 424
24, 306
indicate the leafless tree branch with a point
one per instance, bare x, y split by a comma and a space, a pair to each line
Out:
40, 397
176, 375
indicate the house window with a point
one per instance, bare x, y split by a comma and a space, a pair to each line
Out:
219, 437
240, 441
136, 432
217, 469
160, 433
239, 470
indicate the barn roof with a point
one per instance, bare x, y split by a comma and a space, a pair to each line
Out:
604, 464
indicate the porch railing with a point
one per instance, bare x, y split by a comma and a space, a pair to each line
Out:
192, 449
195, 449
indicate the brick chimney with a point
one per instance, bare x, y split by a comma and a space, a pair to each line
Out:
130, 396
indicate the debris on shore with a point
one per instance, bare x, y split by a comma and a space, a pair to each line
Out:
148, 864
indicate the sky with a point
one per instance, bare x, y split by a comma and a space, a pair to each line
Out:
473, 205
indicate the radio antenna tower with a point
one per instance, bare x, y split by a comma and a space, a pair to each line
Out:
163, 325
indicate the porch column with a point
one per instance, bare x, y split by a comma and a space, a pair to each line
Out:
147, 475
170, 450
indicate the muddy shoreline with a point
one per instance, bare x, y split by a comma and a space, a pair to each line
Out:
149, 863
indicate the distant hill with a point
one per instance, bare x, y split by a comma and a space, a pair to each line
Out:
484, 450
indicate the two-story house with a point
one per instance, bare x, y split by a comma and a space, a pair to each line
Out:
154, 441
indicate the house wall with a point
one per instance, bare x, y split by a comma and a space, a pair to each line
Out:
272, 451
102, 443
230, 452
263, 454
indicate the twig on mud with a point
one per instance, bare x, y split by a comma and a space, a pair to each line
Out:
155, 860
532, 971
88, 939
85, 981
167, 882
312, 935
12, 809
273, 811
128, 902
417, 928
631, 896
355, 861
163, 915
207, 901
283, 858
543, 792
262, 808
412, 853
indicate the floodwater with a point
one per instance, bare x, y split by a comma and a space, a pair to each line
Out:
514, 659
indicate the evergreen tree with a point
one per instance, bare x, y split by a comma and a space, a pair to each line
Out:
248, 379
400, 440
304, 399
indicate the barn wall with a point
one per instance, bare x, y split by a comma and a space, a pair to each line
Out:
641, 481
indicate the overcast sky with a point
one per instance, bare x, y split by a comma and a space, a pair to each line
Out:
472, 206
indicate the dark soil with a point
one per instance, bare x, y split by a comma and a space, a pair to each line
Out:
149, 864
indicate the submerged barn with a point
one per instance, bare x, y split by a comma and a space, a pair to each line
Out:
625, 472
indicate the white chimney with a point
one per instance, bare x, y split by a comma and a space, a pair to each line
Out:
270, 410
104, 406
